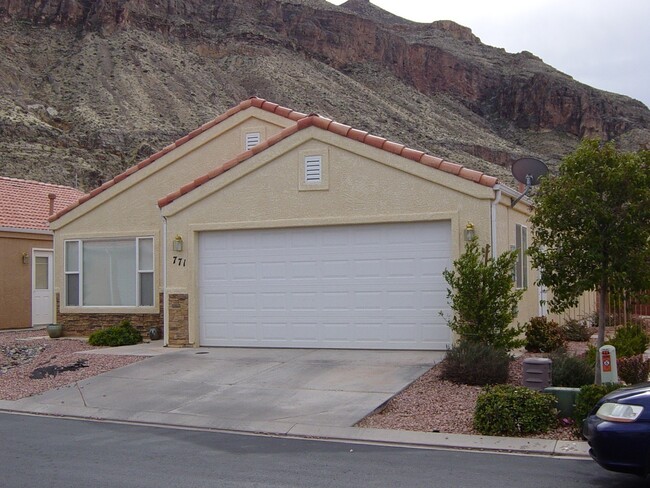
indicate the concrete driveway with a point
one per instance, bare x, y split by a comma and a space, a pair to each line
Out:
259, 390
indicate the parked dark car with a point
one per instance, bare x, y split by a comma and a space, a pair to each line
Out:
618, 430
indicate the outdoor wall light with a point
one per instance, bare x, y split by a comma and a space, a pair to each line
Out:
25, 257
469, 232
177, 244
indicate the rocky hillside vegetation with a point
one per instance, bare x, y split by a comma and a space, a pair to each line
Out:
88, 87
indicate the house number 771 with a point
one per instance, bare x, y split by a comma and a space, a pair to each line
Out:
179, 261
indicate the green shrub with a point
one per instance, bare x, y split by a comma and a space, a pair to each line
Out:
571, 371
543, 335
514, 411
123, 334
591, 354
634, 369
587, 399
482, 296
575, 330
473, 363
630, 340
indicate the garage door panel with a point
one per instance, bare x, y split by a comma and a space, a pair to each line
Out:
369, 286
216, 302
273, 271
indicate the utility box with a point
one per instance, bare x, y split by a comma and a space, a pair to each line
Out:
537, 373
608, 369
566, 399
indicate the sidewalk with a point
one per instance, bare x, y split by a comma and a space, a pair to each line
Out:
190, 397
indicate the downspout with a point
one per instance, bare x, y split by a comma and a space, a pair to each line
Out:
164, 279
493, 219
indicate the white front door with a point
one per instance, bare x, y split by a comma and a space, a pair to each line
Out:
42, 282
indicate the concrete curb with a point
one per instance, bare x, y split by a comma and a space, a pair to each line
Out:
404, 438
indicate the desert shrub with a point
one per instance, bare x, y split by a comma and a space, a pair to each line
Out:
543, 335
575, 330
587, 399
123, 334
571, 371
473, 363
591, 354
482, 296
633, 369
514, 411
630, 340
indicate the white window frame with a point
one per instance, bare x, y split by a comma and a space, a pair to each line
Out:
521, 265
76, 272
80, 272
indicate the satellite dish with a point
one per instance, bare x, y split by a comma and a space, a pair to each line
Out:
527, 171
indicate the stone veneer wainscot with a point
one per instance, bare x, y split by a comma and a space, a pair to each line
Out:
84, 324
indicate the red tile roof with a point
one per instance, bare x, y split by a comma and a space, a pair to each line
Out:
251, 102
346, 131
25, 204
302, 121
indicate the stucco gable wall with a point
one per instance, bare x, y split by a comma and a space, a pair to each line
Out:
365, 185
140, 191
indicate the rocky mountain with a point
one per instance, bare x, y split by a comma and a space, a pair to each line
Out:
88, 87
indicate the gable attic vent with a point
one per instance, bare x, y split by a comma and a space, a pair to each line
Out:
252, 140
313, 169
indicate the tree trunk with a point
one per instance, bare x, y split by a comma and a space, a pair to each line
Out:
602, 303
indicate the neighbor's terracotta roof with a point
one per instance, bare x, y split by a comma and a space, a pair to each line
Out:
346, 131
25, 204
251, 102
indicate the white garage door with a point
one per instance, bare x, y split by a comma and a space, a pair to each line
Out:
376, 286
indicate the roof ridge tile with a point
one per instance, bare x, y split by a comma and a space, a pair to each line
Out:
450, 167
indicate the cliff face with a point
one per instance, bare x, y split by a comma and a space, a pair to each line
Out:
100, 83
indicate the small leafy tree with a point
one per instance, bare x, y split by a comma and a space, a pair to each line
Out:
591, 227
483, 298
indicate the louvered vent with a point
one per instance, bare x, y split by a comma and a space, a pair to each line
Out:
313, 169
252, 139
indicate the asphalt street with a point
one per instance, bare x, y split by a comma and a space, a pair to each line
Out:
54, 452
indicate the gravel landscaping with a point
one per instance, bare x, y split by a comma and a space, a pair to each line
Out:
430, 404
31, 362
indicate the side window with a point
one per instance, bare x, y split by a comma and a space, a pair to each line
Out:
145, 272
72, 273
521, 266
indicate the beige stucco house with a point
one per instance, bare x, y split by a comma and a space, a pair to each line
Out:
271, 228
